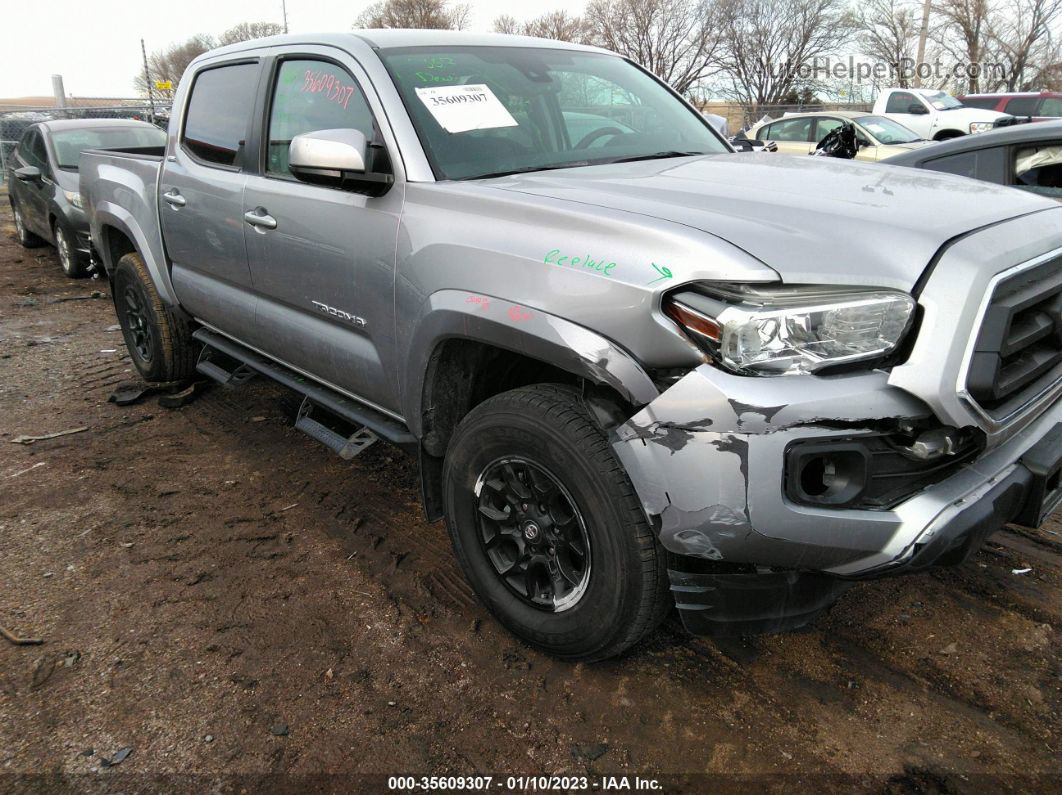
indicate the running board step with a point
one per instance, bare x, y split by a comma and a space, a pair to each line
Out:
222, 368
320, 402
347, 447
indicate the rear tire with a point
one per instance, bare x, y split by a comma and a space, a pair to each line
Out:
25, 238
66, 246
530, 478
159, 338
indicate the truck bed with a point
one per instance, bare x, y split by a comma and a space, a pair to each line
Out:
119, 188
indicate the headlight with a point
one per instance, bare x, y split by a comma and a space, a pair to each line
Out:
791, 330
980, 126
74, 198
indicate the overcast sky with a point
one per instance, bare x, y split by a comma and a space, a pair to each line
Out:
95, 44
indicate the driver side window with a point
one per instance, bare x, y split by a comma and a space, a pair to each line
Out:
900, 102
31, 150
308, 96
824, 127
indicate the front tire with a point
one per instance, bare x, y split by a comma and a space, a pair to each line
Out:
547, 527
159, 338
24, 236
65, 245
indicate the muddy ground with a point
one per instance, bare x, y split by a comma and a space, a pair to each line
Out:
237, 606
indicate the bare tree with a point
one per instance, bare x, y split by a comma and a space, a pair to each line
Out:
963, 32
246, 31
888, 32
506, 23
171, 62
677, 40
771, 48
1021, 31
557, 25
424, 14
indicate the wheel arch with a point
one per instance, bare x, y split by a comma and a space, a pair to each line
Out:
468, 348
115, 233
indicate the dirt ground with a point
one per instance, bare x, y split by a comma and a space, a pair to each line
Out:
241, 608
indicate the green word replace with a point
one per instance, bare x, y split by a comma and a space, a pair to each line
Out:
600, 265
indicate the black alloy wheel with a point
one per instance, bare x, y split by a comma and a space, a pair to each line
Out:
533, 534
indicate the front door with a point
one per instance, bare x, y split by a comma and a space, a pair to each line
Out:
32, 195
201, 199
324, 262
898, 107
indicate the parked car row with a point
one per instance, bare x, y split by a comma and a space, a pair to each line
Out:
43, 180
1024, 156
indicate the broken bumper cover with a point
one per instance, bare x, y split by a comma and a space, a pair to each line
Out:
707, 461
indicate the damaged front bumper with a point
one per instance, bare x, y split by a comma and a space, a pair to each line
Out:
707, 459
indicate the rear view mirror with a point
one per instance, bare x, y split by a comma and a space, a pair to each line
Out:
917, 108
337, 158
28, 174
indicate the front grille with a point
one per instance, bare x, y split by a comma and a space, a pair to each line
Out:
1019, 346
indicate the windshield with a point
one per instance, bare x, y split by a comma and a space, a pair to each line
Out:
488, 111
886, 131
69, 144
942, 101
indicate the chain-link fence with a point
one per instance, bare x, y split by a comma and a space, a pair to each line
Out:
14, 119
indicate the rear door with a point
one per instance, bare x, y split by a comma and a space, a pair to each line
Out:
201, 198
324, 266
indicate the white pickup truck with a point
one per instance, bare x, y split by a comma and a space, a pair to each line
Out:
933, 114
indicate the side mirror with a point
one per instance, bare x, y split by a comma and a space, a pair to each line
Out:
917, 108
28, 174
336, 158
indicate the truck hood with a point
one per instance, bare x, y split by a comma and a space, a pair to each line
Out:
811, 219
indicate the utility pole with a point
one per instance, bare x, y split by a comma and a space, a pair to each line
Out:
58, 91
147, 81
922, 34
284, 6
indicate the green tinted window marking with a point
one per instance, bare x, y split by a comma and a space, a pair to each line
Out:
554, 257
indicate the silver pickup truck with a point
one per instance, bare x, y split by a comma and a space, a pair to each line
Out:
630, 360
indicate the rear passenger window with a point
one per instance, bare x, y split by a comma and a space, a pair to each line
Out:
963, 164
310, 96
1051, 107
790, 130
1022, 106
219, 110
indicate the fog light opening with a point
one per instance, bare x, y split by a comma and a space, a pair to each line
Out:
813, 477
835, 477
